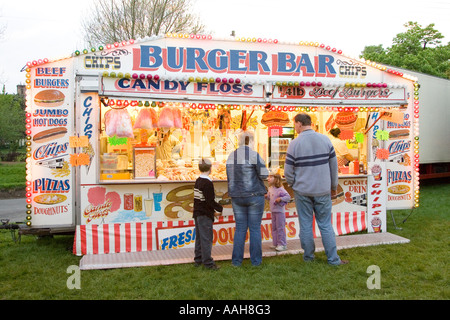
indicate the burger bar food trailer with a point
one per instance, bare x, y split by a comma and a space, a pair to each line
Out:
115, 133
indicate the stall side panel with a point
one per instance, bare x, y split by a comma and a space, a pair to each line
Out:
87, 126
50, 108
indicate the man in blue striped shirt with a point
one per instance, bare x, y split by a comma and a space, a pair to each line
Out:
311, 170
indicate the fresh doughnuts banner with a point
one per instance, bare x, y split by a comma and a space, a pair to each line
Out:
147, 217
49, 120
165, 202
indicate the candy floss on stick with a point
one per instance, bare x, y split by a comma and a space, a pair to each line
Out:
118, 122
177, 122
166, 118
125, 128
110, 123
144, 120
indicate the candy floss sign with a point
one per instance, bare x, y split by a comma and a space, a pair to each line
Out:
101, 205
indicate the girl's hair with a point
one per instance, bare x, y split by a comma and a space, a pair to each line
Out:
335, 132
277, 180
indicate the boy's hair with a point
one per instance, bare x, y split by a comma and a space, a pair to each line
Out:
277, 181
204, 165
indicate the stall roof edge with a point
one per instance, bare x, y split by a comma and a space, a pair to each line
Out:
249, 40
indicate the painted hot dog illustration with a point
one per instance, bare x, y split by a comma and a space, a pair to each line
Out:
49, 135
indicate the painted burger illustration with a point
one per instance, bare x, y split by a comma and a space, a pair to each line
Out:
275, 118
346, 120
49, 98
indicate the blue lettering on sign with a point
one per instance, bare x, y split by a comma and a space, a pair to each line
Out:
174, 55
326, 64
236, 58
87, 115
176, 59
305, 63
286, 62
45, 185
399, 176
258, 62
178, 240
151, 57
194, 59
399, 146
218, 60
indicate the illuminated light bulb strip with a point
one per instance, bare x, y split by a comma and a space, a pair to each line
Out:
119, 103
256, 40
103, 47
28, 183
416, 163
38, 62
28, 125
336, 84
156, 77
189, 36
197, 78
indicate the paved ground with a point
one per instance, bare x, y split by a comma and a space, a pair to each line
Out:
13, 209
185, 255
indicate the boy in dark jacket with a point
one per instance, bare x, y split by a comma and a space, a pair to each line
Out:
204, 213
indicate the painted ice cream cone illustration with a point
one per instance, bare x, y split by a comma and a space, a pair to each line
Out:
89, 150
376, 224
375, 146
376, 171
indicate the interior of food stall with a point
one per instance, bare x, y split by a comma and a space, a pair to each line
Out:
157, 141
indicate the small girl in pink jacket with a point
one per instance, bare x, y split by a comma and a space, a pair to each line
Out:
278, 197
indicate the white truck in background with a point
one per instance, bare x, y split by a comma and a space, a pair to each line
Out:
434, 133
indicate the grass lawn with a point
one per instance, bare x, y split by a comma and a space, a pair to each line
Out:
12, 175
37, 268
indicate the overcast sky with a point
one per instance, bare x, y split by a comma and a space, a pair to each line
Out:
51, 28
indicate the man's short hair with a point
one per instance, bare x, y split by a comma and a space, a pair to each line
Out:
303, 118
204, 165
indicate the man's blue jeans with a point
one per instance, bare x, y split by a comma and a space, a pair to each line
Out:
320, 207
248, 213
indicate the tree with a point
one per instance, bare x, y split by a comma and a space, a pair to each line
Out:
117, 20
418, 49
12, 123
